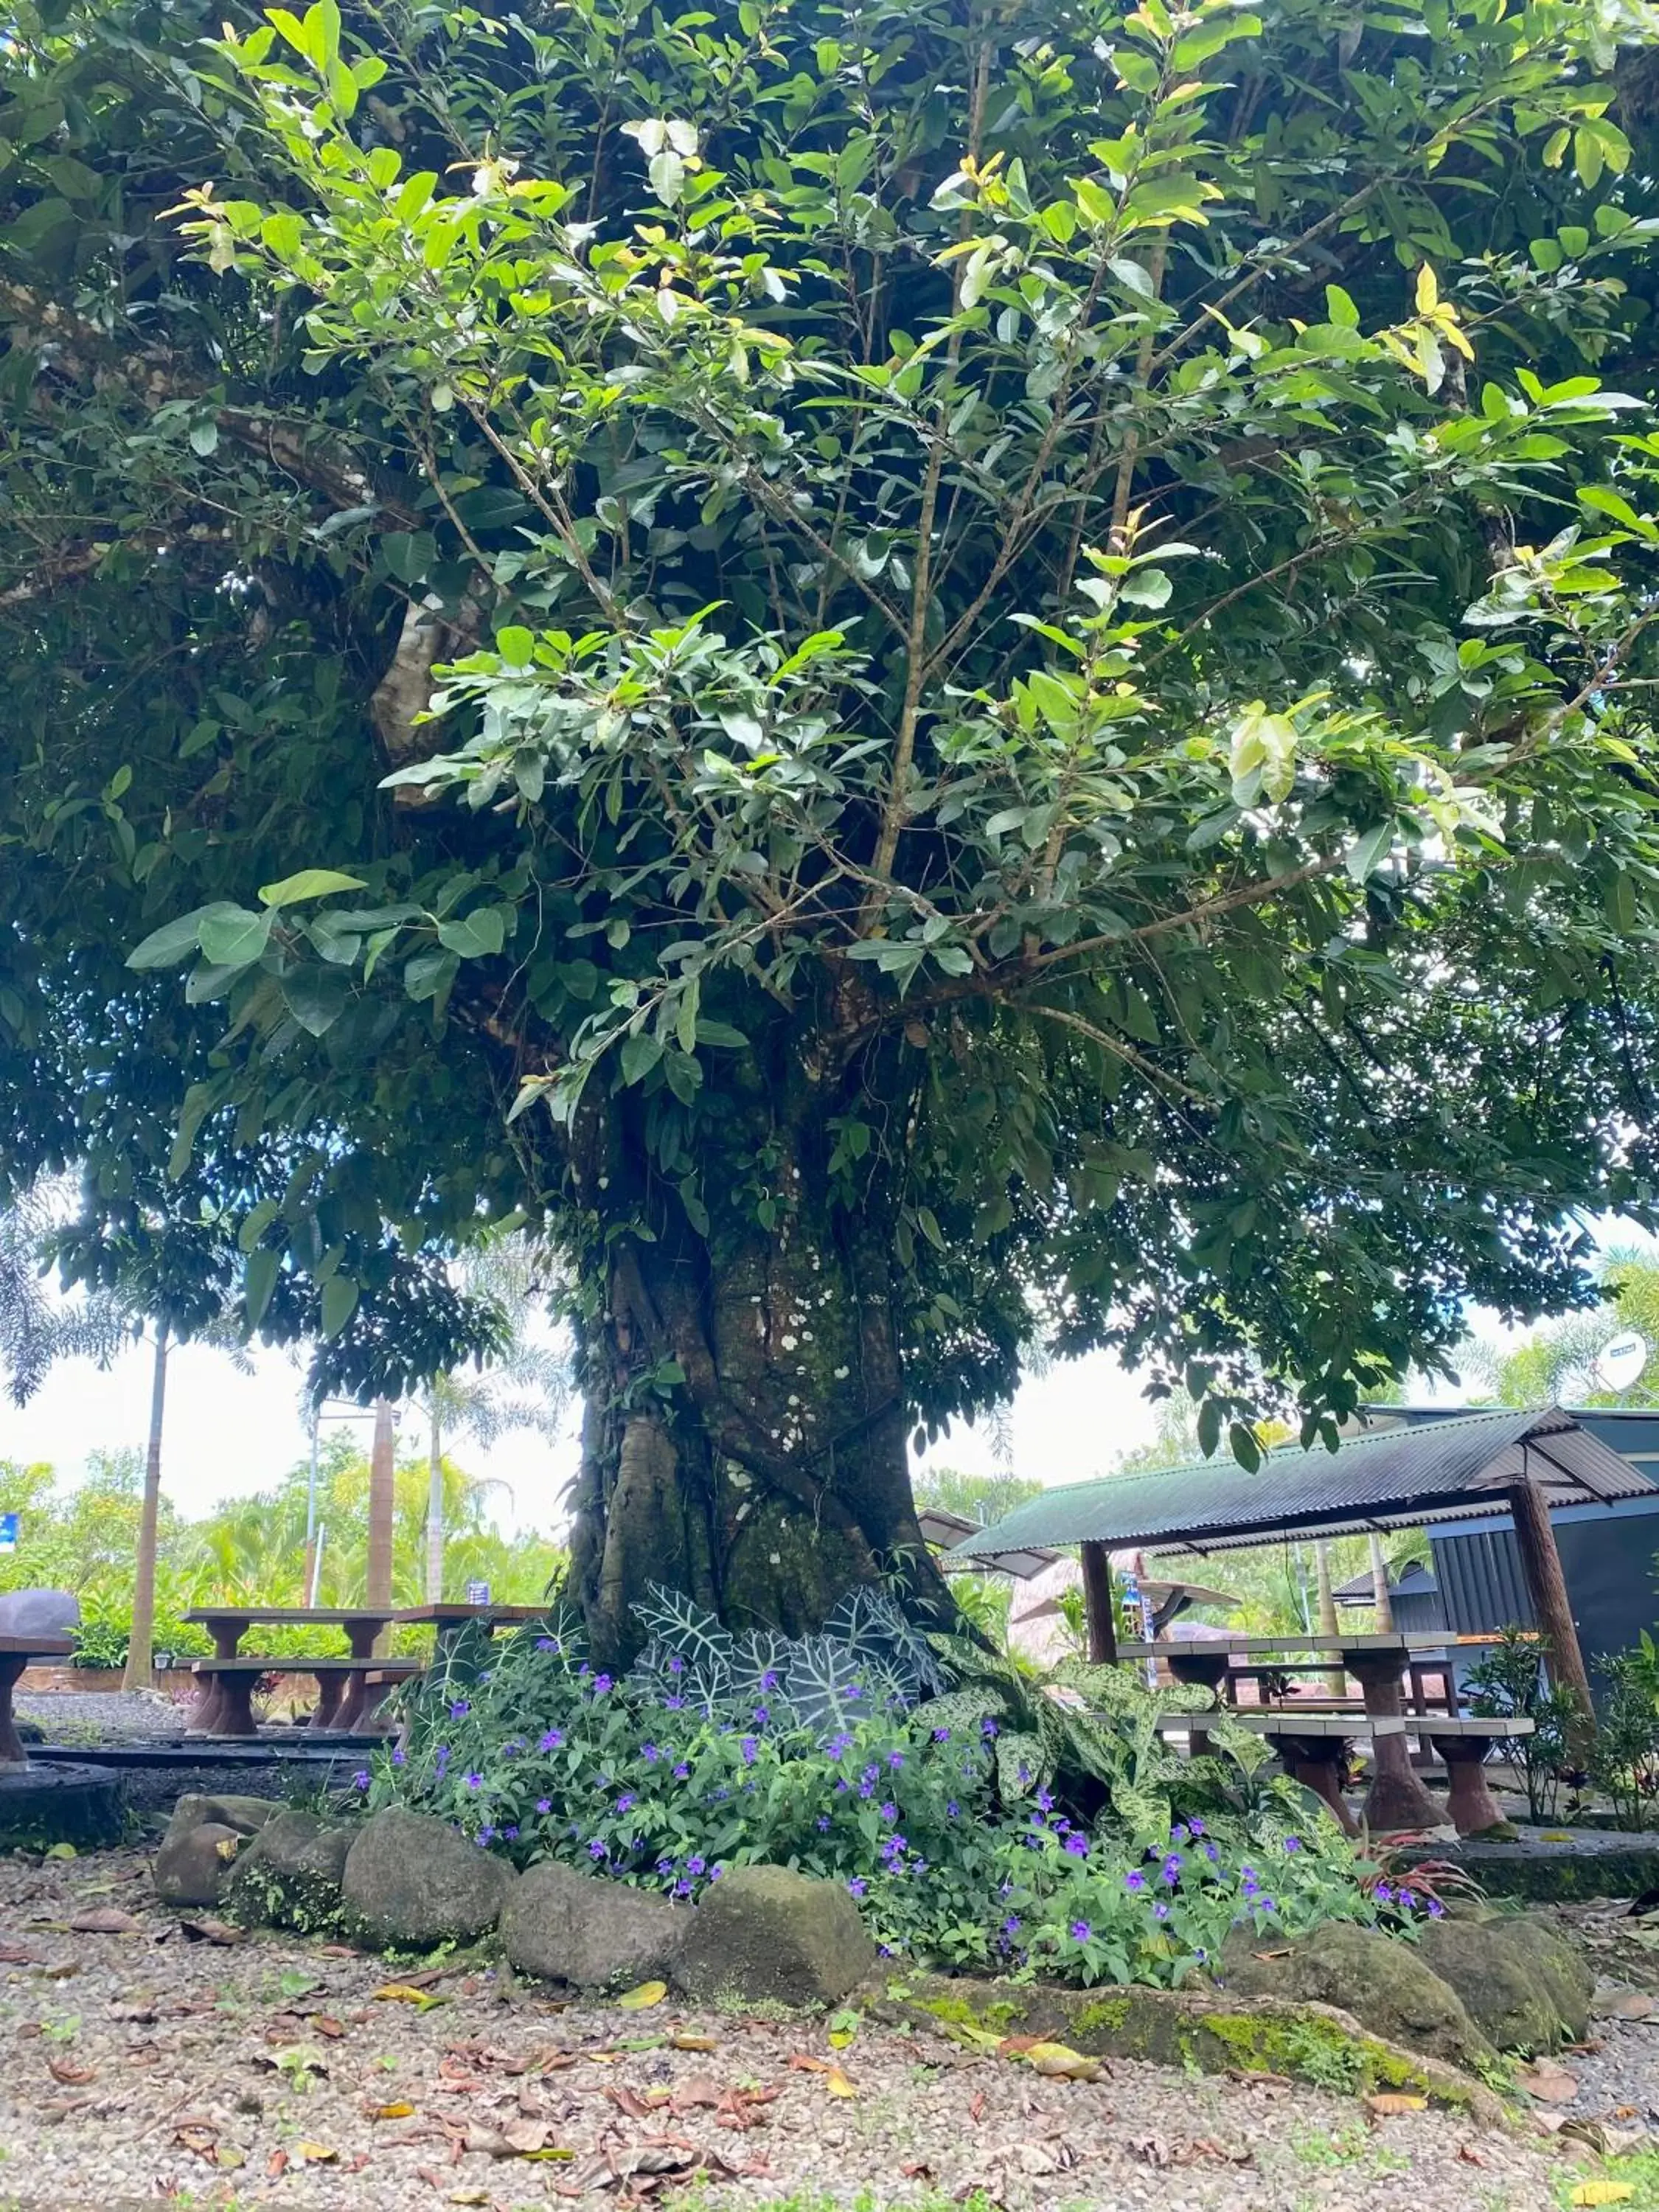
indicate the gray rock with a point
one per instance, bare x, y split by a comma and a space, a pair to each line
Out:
247, 1815
1524, 1986
292, 1872
413, 1880
193, 1863
765, 1933
39, 1613
568, 1927
1380, 1979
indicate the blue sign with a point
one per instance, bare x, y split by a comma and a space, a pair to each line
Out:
476, 1593
8, 1532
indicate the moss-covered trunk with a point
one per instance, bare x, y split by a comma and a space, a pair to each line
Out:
747, 1414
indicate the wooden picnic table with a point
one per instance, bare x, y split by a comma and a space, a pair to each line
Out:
15, 1653
340, 1697
342, 1690
1377, 1662
450, 1618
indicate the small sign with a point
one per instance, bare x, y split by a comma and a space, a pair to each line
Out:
8, 1532
478, 1593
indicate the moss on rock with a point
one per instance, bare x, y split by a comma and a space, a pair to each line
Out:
1214, 2031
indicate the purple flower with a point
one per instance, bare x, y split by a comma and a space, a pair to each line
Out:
682, 1772
601, 1684
675, 1705
1383, 1893
769, 1678
696, 1863
1212, 1854
682, 1889
1409, 1898
676, 1664
1160, 1911
890, 1812
625, 1802
1078, 1845
1292, 1843
823, 1824
1045, 1798
857, 1887
1134, 1880
360, 1779
443, 1756
547, 1643
1195, 1825
1266, 1905
1172, 1866
510, 1835
895, 1759
762, 1716
596, 1848
484, 1837
941, 1735
474, 1781
854, 1689
1436, 1910
551, 1740
750, 1749
1010, 1925
988, 1728
461, 1709
543, 1804
1081, 1930
1180, 1833
951, 1807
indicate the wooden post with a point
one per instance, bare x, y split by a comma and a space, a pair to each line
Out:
1098, 1605
1546, 1586
1380, 1597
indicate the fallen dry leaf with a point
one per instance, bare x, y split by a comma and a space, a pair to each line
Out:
106, 1920
1059, 2062
977, 2106
15, 1954
277, 2165
230, 2157
838, 2085
71, 2075
1628, 2004
1602, 2193
682, 2041
315, 2153
406, 1993
391, 2112
916, 2169
697, 2093
1385, 2105
212, 1931
802, 2062
324, 2025
1471, 2155
647, 1994
1552, 2085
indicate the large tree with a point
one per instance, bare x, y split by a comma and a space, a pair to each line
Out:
922, 675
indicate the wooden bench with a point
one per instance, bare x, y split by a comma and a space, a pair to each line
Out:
342, 1688
229, 1623
1313, 1747
15, 1653
449, 1619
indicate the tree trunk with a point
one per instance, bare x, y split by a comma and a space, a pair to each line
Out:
139, 1673
1336, 1682
1380, 1588
745, 1437
434, 1515
382, 1501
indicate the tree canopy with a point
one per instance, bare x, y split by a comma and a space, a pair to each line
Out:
928, 676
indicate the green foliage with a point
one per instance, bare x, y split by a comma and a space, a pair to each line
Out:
1078, 576
1558, 1365
956, 1851
1508, 1681
1625, 1757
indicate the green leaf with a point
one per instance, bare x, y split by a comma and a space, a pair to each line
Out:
205, 438
232, 937
1341, 308
309, 883
254, 1225
475, 936
316, 997
173, 941
339, 1303
259, 1281
1369, 853
515, 644
640, 1054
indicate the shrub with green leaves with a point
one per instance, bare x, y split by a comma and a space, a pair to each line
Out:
873, 1757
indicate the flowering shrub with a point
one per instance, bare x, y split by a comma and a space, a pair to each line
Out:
823, 1754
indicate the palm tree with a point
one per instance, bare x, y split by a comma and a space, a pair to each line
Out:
526, 1386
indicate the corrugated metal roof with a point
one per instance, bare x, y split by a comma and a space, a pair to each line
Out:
1392, 1477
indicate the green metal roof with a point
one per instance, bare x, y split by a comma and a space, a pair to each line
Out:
1387, 1478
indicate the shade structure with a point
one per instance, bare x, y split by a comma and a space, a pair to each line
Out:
1392, 1478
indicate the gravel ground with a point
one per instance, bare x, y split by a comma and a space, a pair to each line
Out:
141, 2063
117, 1715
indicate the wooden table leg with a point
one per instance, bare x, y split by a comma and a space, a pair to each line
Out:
207, 1716
235, 1714
1203, 1670
203, 1716
1474, 1809
1396, 1800
348, 1714
1316, 1763
329, 1686
12, 1752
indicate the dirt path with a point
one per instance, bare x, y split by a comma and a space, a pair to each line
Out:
140, 2064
